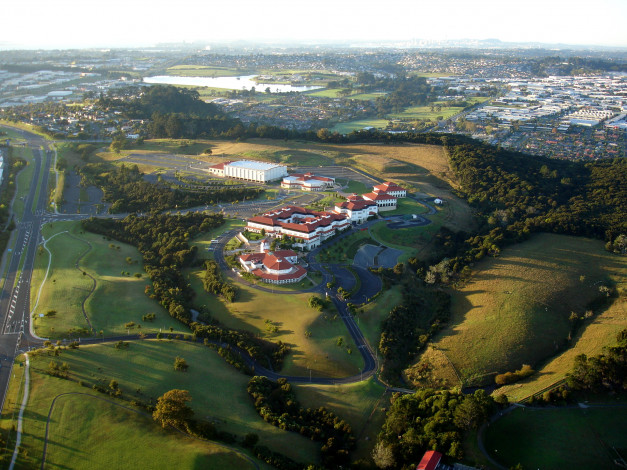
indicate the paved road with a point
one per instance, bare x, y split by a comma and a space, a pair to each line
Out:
15, 295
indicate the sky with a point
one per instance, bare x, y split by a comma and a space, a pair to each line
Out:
117, 23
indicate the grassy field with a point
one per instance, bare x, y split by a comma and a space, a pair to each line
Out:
360, 404
374, 313
516, 308
348, 127
559, 438
119, 295
424, 112
312, 335
145, 371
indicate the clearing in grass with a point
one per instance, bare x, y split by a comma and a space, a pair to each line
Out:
319, 341
558, 438
517, 308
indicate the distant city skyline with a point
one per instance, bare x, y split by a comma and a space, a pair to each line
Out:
35, 24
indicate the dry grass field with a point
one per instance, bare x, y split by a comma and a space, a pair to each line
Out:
516, 311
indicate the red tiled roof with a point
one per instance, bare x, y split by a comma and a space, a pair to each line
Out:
355, 206
388, 186
379, 196
429, 461
260, 219
257, 257
220, 166
299, 272
284, 253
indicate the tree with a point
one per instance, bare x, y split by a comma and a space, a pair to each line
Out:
172, 409
180, 364
383, 456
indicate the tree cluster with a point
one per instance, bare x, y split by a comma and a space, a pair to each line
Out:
277, 404
409, 326
429, 420
607, 371
213, 283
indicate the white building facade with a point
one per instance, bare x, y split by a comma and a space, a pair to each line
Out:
260, 172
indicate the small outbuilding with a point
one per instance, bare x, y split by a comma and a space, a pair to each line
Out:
430, 460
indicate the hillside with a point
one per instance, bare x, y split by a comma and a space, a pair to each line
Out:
516, 308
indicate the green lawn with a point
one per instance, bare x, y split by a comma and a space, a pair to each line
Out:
559, 438
144, 372
344, 250
88, 443
406, 206
118, 298
424, 112
356, 187
375, 312
360, 405
312, 335
348, 127
326, 92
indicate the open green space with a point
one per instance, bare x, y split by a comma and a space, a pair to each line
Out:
118, 299
360, 404
326, 92
144, 371
370, 316
413, 241
406, 206
516, 308
343, 251
559, 438
425, 112
348, 127
313, 336
87, 443
352, 186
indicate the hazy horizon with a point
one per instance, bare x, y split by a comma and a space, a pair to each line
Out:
69, 24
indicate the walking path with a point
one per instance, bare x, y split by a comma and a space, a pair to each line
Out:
20, 418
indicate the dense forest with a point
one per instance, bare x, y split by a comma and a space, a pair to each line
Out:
127, 191
163, 241
429, 420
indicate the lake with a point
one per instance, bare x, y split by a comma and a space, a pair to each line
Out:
244, 82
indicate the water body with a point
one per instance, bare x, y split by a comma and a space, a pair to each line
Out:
244, 82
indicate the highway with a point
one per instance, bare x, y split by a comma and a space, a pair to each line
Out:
15, 334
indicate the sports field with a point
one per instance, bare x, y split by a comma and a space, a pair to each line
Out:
516, 308
558, 438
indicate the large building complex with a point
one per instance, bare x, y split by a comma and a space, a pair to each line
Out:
308, 228
248, 170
